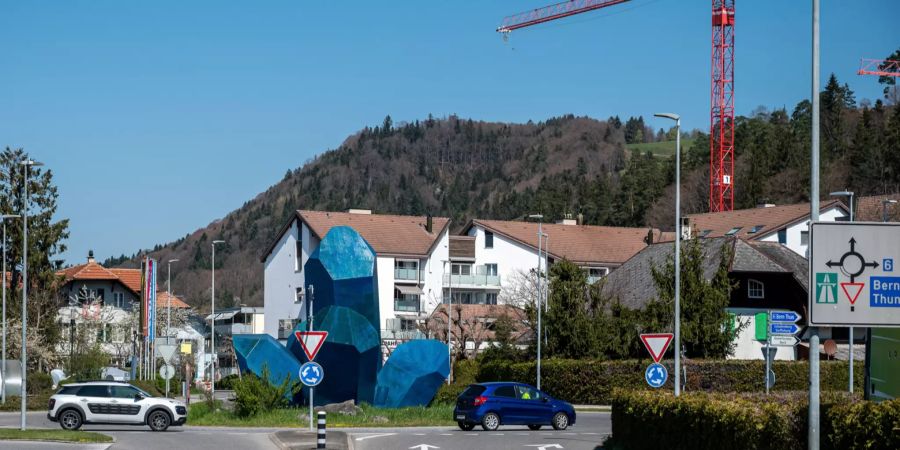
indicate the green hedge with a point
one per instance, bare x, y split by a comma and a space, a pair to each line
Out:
465, 372
591, 382
697, 420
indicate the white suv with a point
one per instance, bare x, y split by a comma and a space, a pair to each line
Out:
111, 402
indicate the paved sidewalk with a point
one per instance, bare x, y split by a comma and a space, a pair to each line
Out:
305, 439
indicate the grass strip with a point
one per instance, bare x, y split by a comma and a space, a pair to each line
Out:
45, 434
199, 414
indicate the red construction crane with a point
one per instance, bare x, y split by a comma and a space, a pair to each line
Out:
721, 132
880, 67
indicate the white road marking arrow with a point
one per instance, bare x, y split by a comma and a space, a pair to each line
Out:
374, 436
422, 447
544, 446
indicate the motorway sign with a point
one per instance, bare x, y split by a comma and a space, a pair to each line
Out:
780, 340
852, 278
311, 341
311, 373
783, 328
656, 344
656, 375
784, 316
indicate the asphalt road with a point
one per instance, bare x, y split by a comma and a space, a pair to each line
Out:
589, 433
140, 437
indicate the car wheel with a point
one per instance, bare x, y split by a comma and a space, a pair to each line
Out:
560, 421
465, 426
490, 422
158, 420
70, 419
534, 427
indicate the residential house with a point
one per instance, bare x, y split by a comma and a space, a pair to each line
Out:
878, 208
767, 276
474, 326
229, 322
409, 253
787, 224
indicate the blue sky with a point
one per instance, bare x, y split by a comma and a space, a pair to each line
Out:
159, 117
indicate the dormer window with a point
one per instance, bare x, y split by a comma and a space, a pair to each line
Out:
755, 289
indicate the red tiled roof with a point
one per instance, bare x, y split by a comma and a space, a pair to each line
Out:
162, 301
130, 278
387, 234
871, 209
577, 243
767, 220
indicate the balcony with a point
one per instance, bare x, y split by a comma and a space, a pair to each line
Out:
406, 305
472, 280
408, 274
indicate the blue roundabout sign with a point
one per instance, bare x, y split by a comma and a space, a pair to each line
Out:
311, 374
656, 375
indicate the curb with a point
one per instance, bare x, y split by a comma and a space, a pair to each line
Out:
302, 440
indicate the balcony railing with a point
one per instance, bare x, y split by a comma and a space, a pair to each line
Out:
406, 305
408, 274
472, 280
402, 334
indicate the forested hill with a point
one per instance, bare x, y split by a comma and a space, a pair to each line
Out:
567, 165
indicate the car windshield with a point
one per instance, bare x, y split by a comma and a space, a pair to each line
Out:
473, 391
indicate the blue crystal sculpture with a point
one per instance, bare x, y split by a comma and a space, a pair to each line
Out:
256, 351
351, 356
413, 374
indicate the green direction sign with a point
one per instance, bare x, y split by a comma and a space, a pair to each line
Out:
826, 287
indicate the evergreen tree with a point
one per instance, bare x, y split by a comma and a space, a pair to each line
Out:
569, 330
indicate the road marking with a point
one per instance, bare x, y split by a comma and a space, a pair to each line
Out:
497, 434
374, 436
472, 434
442, 434
591, 434
419, 434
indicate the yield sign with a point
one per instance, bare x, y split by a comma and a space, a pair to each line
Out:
656, 344
852, 290
311, 341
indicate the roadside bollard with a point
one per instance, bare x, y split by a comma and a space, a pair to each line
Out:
320, 432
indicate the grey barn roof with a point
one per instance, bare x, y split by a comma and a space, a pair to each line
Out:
633, 284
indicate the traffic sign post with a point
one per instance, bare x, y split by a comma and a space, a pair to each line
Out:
311, 373
780, 332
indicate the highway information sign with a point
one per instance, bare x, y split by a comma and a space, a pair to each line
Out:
852, 277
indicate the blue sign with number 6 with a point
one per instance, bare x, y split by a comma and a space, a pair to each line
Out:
887, 264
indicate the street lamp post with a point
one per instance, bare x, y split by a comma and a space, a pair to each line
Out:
540, 293
849, 195
677, 120
212, 378
169, 309
449, 316
3, 381
25, 166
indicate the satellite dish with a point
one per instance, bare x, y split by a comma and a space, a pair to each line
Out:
830, 348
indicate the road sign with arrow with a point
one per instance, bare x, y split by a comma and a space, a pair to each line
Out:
858, 258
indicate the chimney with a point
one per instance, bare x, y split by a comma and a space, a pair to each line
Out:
765, 205
91, 257
429, 224
566, 220
359, 211
580, 219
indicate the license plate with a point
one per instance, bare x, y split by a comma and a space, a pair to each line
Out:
460, 417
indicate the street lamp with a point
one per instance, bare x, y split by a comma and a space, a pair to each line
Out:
25, 166
3, 381
677, 120
884, 210
169, 309
849, 195
449, 303
540, 235
212, 386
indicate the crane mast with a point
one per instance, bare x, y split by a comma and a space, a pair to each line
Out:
721, 110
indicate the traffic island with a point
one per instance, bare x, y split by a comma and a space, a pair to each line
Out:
305, 439
53, 435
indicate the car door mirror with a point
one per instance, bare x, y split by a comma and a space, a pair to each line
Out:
138, 397
545, 399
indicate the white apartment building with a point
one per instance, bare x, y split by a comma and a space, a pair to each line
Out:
411, 256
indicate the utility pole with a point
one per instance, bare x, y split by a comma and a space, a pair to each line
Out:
540, 291
215, 357
813, 417
27, 164
3, 386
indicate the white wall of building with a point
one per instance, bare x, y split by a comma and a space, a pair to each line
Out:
384, 269
509, 256
795, 231
281, 280
434, 274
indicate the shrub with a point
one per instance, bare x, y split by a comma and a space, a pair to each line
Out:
591, 382
39, 383
227, 383
698, 420
256, 394
465, 373
149, 386
87, 364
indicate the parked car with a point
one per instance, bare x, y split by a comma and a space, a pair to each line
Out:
113, 402
502, 403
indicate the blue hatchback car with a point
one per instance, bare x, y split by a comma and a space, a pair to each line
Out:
502, 403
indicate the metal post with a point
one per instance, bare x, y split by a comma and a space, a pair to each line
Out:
3, 385
312, 389
677, 256
813, 419
320, 433
450, 317
851, 328
540, 280
168, 309
212, 378
24, 395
